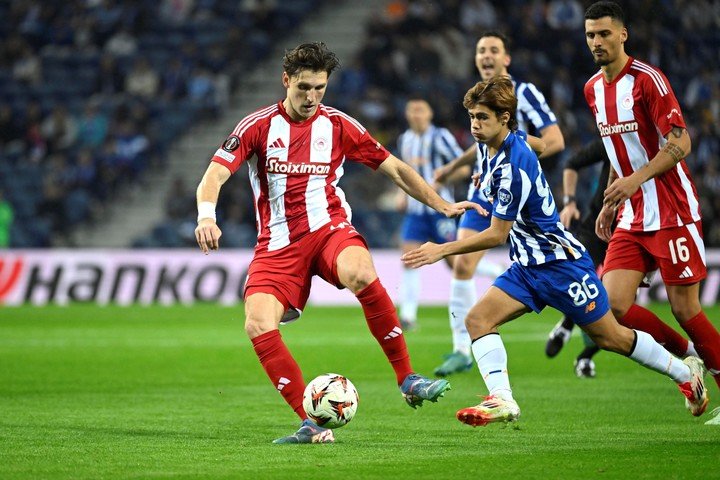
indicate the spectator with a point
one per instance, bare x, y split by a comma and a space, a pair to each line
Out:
180, 201
11, 130
122, 43
27, 67
142, 80
59, 129
110, 80
174, 80
92, 126
201, 90
6, 220
565, 15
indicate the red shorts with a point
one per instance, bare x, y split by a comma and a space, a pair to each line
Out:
286, 273
678, 252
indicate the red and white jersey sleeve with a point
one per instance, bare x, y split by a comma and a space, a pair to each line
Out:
634, 113
243, 142
295, 167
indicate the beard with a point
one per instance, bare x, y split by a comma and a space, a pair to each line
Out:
602, 61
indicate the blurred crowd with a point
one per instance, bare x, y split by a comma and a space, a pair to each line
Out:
92, 93
427, 47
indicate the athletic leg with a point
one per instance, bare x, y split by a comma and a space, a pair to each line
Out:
685, 304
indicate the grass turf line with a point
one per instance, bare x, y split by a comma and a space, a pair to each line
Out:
160, 392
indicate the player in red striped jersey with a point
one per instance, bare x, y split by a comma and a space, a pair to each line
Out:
649, 190
295, 152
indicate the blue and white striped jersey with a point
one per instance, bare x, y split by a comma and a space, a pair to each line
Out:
482, 164
533, 112
516, 184
426, 152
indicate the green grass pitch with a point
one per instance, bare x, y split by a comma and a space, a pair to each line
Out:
165, 392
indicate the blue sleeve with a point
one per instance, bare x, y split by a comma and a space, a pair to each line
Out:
448, 146
533, 106
398, 146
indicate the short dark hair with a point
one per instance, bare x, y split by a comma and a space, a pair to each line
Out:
503, 38
605, 9
313, 56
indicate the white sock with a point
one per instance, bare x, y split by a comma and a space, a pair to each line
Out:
409, 294
691, 352
652, 355
491, 359
462, 297
487, 268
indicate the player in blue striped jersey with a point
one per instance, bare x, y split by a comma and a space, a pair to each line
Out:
550, 267
426, 147
533, 115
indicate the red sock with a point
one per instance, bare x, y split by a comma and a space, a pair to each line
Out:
282, 369
643, 319
707, 342
383, 321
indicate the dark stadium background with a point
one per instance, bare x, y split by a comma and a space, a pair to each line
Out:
98, 96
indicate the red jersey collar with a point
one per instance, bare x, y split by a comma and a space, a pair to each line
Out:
284, 113
621, 74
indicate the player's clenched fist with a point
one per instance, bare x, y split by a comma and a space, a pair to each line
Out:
208, 234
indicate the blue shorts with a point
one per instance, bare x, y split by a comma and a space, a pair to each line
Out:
472, 219
571, 286
433, 227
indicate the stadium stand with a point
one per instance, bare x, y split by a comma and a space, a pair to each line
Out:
86, 56
93, 92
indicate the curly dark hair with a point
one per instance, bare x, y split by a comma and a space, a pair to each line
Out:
498, 94
313, 56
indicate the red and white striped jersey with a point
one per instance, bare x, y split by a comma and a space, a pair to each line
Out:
634, 113
294, 168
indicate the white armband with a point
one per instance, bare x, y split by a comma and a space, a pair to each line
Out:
206, 210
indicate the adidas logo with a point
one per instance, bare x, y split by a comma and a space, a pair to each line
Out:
687, 273
395, 332
281, 383
277, 144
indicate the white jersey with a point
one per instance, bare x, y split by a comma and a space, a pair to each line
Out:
426, 152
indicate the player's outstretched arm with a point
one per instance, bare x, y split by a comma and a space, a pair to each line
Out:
677, 147
537, 144
554, 140
570, 211
409, 180
428, 253
207, 233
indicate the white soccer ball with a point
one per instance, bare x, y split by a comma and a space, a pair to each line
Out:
330, 400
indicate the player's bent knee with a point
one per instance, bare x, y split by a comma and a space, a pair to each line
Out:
685, 311
256, 326
477, 326
360, 279
619, 310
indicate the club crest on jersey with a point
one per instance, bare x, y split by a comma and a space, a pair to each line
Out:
504, 196
321, 144
487, 191
231, 144
628, 102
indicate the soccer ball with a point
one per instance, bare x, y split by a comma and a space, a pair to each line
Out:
330, 400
